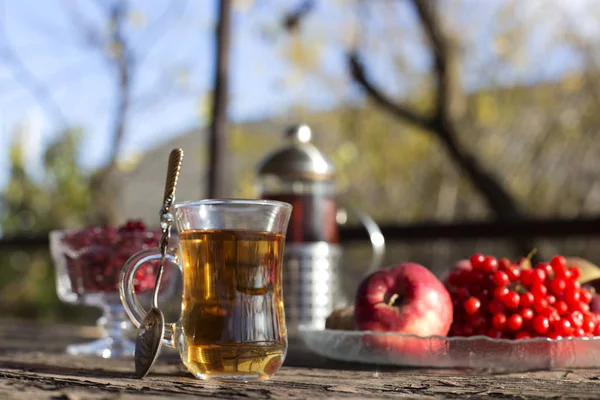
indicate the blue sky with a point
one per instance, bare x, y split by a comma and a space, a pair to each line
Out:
50, 43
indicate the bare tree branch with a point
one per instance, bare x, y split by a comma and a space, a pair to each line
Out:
292, 20
440, 49
401, 111
122, 61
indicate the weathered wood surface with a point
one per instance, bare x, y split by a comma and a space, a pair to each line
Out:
32, 366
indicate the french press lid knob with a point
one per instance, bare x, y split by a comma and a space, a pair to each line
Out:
298, 158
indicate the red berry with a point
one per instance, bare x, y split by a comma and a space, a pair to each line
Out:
522, 335
551, 314
454, 330
554, 336
586, 296
583, 307
494, 333
539, 304
572, 296
477, 291
557, 286
515, 322
597, 329
472, 305
573, 284
456, 278
513, 272
546, 268
499, 321
550, 299
564, 273
490, 264
576, 319
589, 324
539, 276
575, 272
558, 263
526, 314
526, 299
539, 290
477, 260
500, 292
540, 324
504, 263
511, 299
501, 278
579, 332
527, 277
496, 306
475, 276
561, 307
462, 293
563, 327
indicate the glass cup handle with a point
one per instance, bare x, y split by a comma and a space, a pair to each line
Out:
375, 236
135, 311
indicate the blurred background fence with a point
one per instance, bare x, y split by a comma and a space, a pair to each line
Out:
435, 245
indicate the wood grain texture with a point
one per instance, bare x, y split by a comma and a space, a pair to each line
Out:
32, 368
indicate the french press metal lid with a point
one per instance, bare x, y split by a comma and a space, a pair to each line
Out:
298, 159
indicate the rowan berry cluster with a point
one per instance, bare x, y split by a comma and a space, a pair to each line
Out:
504, 299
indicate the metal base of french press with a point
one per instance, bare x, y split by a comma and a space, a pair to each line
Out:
310, 286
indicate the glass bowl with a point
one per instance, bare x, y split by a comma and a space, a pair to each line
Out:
88, 265
475, 352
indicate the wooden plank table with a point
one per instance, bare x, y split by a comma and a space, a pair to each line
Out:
33, 366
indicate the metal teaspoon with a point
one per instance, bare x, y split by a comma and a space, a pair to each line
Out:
152, 329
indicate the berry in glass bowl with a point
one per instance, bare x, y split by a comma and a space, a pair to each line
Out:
88, 265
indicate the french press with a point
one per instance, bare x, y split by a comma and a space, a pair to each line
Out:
298, 173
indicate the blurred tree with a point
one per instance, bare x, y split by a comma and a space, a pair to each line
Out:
120, 58
448, 106
60, 199
119, 34
218, 174
30, 206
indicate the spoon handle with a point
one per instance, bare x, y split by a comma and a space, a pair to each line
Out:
175, 160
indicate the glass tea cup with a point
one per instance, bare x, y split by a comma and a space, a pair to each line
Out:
232, 323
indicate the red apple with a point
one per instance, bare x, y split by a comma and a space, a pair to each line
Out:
595, 303
594, 286
405, 298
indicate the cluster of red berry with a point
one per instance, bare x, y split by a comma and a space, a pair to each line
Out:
98, 254
502, 299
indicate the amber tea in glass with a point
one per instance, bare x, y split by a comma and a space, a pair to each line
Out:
232, 324
232, 296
